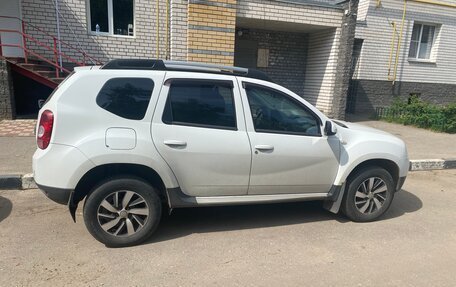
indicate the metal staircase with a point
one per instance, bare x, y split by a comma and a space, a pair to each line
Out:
37, 70
43, 59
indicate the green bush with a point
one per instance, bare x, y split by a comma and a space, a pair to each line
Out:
422, 114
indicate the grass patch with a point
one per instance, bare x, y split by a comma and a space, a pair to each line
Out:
421, 114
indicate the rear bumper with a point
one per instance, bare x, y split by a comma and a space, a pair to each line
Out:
59, 195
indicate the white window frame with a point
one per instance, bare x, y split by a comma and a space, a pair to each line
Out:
434, 37
110, 21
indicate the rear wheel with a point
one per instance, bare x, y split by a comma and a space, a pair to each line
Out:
122, 212
369, 194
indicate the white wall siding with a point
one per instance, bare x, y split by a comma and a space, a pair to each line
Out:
321, 68
363, 7
377, 33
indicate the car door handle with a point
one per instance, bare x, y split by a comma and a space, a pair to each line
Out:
175, 143
264, 147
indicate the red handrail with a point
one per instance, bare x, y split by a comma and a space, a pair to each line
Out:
57, 54
28, 24
37, 55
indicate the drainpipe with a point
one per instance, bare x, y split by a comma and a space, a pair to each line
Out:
398, 45
58, 33
157, 7
396, 63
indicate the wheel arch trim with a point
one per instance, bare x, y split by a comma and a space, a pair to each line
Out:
103, 172
334, 206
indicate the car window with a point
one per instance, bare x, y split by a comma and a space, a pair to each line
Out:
126, 97
275, 112
200, 103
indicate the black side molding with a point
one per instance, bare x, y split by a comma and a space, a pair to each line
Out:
178, 199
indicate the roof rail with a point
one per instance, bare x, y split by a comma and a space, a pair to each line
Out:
160, 65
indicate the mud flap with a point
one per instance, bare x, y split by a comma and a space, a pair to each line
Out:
334, 204
72, 207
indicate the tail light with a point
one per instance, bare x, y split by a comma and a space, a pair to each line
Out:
44, 134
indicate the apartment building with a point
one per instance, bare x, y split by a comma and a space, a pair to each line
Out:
403, 49
305, 45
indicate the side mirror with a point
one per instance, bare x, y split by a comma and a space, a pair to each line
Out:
330, 128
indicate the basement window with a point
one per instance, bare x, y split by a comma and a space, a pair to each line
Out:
111, 17
422, 41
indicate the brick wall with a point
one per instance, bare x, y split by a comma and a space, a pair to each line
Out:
290, 12
211, 28
323, 27
179, 30
344, 60
321, 68
74, 19
287, 56
6, 92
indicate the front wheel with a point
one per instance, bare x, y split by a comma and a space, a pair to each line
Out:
122, 212
369, 194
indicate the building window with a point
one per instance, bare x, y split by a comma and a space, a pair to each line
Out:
113, 17
422, 41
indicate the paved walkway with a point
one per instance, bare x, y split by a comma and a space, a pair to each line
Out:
19, 128
421, 143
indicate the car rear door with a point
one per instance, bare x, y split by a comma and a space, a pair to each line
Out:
199, 129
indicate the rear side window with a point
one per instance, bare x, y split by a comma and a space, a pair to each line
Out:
126, 97
200, 103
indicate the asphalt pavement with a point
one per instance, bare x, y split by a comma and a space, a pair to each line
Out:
295, 244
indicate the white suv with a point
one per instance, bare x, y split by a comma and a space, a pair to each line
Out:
135, 136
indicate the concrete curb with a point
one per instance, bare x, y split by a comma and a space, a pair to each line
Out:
16, 181
10, 181
28, 182
432, 164
25, 181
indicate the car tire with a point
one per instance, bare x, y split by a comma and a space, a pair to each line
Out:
122, 212
368, 195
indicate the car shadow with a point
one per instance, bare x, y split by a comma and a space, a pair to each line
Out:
186, 221
403, 202
5, 208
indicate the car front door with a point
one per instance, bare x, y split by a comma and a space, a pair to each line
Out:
290, 152
199, 130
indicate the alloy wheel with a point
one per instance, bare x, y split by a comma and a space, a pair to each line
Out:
123, 213
371, 195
